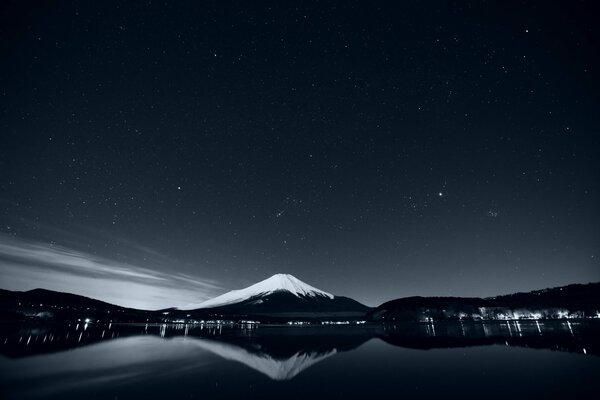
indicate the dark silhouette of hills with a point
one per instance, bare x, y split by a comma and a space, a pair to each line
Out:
577, 301
573, 301
57, 306
278, 307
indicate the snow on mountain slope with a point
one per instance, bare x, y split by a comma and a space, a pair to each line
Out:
278, 282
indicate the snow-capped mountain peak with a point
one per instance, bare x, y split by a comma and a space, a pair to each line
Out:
276, 283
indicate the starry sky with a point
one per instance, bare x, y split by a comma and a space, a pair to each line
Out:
158, 153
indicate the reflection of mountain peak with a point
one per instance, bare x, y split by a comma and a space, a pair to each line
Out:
275, 368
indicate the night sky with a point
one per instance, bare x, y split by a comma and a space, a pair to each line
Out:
156, 154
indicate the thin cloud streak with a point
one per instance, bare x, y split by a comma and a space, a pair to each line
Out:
26, 265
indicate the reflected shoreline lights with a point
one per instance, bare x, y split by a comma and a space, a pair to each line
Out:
23, 341
51, 360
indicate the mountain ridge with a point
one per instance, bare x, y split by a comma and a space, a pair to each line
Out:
303, 304
281, 296
577, 300
275, 283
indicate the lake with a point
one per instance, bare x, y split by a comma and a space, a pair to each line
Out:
489, 360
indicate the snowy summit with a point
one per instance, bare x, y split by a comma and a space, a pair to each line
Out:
276, 283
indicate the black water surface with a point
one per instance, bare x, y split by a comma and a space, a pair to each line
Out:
489, 360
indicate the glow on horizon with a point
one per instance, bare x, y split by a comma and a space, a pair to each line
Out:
26, 265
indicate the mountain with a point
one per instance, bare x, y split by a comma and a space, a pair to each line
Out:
579, 300
284, 296
58, 306
280, 298
37, 297
276, 283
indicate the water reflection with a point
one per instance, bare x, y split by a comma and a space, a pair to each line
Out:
285, 343
278, 369
125, 360
575, 337
67, 358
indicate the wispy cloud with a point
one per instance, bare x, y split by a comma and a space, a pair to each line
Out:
26, 264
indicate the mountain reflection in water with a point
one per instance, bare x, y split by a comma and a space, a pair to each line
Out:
275, 368
50, 360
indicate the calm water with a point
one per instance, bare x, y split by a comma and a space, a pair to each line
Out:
468, 360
